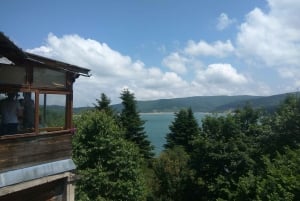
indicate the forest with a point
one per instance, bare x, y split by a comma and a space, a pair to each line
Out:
248, 154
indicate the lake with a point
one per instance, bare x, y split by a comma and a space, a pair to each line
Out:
157, 127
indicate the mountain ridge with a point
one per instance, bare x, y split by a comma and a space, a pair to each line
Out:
205, 103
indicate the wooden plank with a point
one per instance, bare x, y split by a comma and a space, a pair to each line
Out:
51, 191
24, 152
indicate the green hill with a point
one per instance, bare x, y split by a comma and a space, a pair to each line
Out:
197, 103
204, 103
269, 103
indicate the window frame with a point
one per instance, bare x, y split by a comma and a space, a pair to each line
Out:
37, 90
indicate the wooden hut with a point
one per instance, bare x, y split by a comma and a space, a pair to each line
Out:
35, 154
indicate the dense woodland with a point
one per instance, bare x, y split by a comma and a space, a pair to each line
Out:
248, 154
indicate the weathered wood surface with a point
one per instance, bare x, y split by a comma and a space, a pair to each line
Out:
52, 191
34, 150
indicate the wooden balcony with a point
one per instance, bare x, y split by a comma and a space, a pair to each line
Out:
35, 162
25, 150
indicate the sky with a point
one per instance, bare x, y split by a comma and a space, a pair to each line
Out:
160, 49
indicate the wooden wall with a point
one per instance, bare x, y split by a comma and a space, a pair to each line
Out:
25, 151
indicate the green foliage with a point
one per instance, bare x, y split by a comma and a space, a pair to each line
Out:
103, 104
279, 179
184, 130
286, 123
245, 155
174, 177
228, 154
55, 117
134, 125
222, 155
110, 167
226, 150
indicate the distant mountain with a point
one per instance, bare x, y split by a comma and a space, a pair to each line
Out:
197, 103
204, 103
269, 103
78, 110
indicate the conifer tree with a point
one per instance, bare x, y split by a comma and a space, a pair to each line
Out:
134, 125
184, 129
103, 104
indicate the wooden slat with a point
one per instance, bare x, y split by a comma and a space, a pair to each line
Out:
34, 150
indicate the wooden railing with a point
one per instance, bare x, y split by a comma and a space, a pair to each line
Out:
21, 151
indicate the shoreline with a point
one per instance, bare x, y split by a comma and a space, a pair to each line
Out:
157, 113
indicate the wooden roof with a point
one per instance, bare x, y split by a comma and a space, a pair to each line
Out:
19, 57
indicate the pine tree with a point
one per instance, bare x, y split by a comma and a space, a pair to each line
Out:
134, 125
103, 104
184, 129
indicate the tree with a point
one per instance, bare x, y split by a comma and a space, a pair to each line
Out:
173, 175
184, 130
103, 104
225, 151
110, 167
278, 179
286, 123
134, 125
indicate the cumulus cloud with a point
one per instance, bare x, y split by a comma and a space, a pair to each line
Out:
89, 53
202, 48
224, 79
269, 38
221, 74
272, 38
224, 21
111, 71
176, 62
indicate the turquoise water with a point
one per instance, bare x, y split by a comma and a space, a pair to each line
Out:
157, 127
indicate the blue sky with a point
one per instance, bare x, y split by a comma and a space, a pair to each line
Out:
164, 48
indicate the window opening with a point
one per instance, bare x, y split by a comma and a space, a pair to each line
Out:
16, 112
49, 78
52, 112
12, 75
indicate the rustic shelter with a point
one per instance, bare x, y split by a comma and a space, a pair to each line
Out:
35, 144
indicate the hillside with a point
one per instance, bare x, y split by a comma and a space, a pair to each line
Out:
197, 103
269, 103
204, 103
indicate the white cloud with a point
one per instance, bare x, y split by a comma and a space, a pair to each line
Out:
286, 11
224, 79
224, 21
223, 74
111, 71
89, 53
176, 62
213, 79
272, 38
202, 48
267, 38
